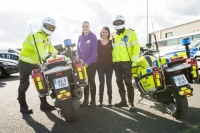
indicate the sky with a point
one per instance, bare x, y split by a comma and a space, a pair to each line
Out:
16, 16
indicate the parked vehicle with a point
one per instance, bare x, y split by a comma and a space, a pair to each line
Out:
8, 67
65, 77
166, 79
180, 50
194, 48
9, 50
175, 40
197, 57
11, 56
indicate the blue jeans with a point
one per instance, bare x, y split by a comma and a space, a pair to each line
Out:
105, 69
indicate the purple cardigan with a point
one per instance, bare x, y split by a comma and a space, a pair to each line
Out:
87, 48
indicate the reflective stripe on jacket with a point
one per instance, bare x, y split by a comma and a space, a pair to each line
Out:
120, 52
29, 52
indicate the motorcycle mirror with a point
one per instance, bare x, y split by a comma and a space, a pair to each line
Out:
148, 45
59, 47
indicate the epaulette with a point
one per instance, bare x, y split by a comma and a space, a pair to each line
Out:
131, 29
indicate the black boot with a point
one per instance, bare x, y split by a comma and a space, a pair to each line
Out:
86, 97
45, 105
100, 102
93, 97
123, 102
23, 105
109, 102
131, 101
92, 103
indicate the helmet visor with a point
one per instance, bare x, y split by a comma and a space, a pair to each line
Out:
49, 27
118, 22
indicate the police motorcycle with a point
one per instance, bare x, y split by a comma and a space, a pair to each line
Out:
64, 78
166, 79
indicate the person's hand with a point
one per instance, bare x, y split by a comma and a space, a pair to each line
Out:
86, 65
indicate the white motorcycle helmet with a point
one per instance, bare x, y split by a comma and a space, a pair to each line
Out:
119, 22
48, 25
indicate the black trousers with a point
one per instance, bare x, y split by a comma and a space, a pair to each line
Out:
25, 70
91, 72
105, 69
123, 74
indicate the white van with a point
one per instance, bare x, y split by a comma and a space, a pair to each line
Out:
9, 50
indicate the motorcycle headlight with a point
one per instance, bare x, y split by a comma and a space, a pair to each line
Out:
9, 63
179, 67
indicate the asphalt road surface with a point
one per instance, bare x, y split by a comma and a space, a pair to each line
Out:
149, 117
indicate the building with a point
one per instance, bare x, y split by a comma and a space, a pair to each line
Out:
174, 35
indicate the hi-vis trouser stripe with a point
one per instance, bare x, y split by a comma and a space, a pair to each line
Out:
26, 59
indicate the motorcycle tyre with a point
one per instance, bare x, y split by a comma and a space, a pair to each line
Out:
181, 105
67, 109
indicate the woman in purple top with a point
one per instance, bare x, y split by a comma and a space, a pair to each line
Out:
105, 65
87, 51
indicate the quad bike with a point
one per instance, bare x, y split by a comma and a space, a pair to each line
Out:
166, 79
65, 78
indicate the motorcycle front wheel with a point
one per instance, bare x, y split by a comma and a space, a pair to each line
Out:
68, 110
178, 105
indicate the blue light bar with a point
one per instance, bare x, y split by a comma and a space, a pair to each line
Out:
186, 41
67, 42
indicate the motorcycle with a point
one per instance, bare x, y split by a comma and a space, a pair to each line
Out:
65, 78
166, 79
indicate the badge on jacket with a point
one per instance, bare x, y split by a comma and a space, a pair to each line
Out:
88, 41
125, 39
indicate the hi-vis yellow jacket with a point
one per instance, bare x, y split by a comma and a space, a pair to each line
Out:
29, 52
120, 53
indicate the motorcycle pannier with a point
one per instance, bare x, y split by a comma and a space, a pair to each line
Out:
151, 79
80, 72
39, 81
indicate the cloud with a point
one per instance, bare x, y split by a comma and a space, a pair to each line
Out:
70, 14
13, 27
184, 7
